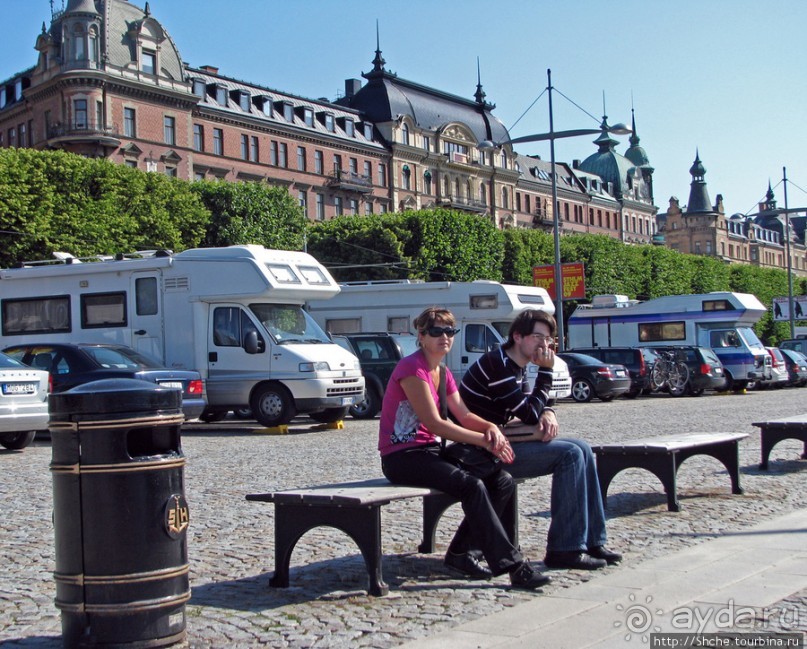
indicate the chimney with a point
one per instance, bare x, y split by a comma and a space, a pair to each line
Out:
352, 86
575, 164
210, 69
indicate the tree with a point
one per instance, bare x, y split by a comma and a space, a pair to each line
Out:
251, 212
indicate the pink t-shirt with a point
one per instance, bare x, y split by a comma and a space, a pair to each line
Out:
399, 427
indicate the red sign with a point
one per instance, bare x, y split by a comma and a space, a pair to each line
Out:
573, 278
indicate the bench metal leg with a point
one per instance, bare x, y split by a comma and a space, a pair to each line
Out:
362, 524
770, 436
727, 453
662, 465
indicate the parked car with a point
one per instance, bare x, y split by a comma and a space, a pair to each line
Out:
638, 360
23, 402
592, 377
378, 354
70, 365
798, 344
706, 372
779, 374
796, 364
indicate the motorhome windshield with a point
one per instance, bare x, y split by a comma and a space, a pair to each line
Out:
289, 323
750, 337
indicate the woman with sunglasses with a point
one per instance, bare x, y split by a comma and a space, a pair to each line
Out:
411, 453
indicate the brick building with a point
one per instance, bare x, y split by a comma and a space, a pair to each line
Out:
110, 82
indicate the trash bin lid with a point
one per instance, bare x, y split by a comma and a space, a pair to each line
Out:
113, 396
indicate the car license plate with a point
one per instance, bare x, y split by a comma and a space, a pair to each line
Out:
172, 384
348, 401
19, 388
620, 372
718, 370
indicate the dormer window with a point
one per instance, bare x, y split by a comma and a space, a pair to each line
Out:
148, 63
329, 123
368, 131
264, 104
221, 95
350, 130
243, 99
199, 88
287, 109
308, 117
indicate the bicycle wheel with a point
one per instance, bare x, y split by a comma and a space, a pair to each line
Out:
677, 382
658, 378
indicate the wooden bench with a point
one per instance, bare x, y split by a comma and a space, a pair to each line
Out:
355, 509
774, 431
663, 455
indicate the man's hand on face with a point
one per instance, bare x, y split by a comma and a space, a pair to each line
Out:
544, 357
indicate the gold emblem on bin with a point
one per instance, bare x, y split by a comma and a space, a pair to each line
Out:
177, 515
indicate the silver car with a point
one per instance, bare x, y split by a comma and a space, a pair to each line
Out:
23, 402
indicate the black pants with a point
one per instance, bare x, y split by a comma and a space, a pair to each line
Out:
483, 502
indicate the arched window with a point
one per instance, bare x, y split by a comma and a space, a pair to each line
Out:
79, 44
92, 50
505, 202
483, 193
404, 134
427, 182
457, 188
406, 176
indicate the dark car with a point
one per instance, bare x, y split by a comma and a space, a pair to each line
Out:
796, 364
75, 364
638, 360
378, 354
592, 377
705, 371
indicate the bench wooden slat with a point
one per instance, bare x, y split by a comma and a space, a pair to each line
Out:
666, 443
346, 494
776, 430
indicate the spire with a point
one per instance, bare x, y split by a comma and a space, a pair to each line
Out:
378, 61
480, 94
147, 10
634, 137
698, 194
604, 140
769, 195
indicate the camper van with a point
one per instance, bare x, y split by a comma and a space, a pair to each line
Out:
233, 314
719, 320
483, 309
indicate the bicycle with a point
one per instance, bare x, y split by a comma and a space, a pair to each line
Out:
670, 371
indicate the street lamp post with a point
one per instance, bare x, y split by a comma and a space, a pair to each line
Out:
553, 135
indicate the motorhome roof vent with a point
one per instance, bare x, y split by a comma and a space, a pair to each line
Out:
609, 301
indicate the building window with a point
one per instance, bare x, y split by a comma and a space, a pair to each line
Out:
130, 122
337, 163
368, 131
506, 203
308, 117
288, 112
253, 149
149, 62
131, 163
169, 130
382, 174
283, 160
427, 143
93, 45
218, 141
406, 176
320, 207
354, 206
199, 88
80, 113
319, 163
303, 201
350, 129
198, 137
12, 137
368, 207
171, 172
404, 134
427, 182
244, 102
273, 153
79, 53
221, 96
99, 115
300, 158
337, 203
368, 170
244, 147
329, 126
354, 166
23, 135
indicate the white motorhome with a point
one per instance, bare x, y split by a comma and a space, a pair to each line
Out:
233, 314
483, 309
720, 320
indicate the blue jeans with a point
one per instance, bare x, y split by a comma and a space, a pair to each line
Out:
578, 516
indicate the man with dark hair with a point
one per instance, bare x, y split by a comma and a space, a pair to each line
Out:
495, 388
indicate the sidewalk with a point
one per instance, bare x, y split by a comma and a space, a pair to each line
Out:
709, 587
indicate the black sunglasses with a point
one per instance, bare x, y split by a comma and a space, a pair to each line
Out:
436, 332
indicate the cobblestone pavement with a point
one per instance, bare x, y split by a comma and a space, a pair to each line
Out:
231, 548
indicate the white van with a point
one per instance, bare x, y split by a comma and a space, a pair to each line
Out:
233, 314
483, 309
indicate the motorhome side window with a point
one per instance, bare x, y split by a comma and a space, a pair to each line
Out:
724, 339
662, 331
716, 305
103, 310
146, 296
227, 327
47, 315
479, 339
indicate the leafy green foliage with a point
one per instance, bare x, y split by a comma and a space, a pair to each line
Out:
252, 212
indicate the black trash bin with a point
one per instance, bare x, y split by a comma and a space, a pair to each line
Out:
119, 514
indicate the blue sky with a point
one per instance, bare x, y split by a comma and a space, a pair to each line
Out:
726, 78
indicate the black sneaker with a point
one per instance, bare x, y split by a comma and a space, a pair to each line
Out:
526, 578
468, 565
601, 552
573, 561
